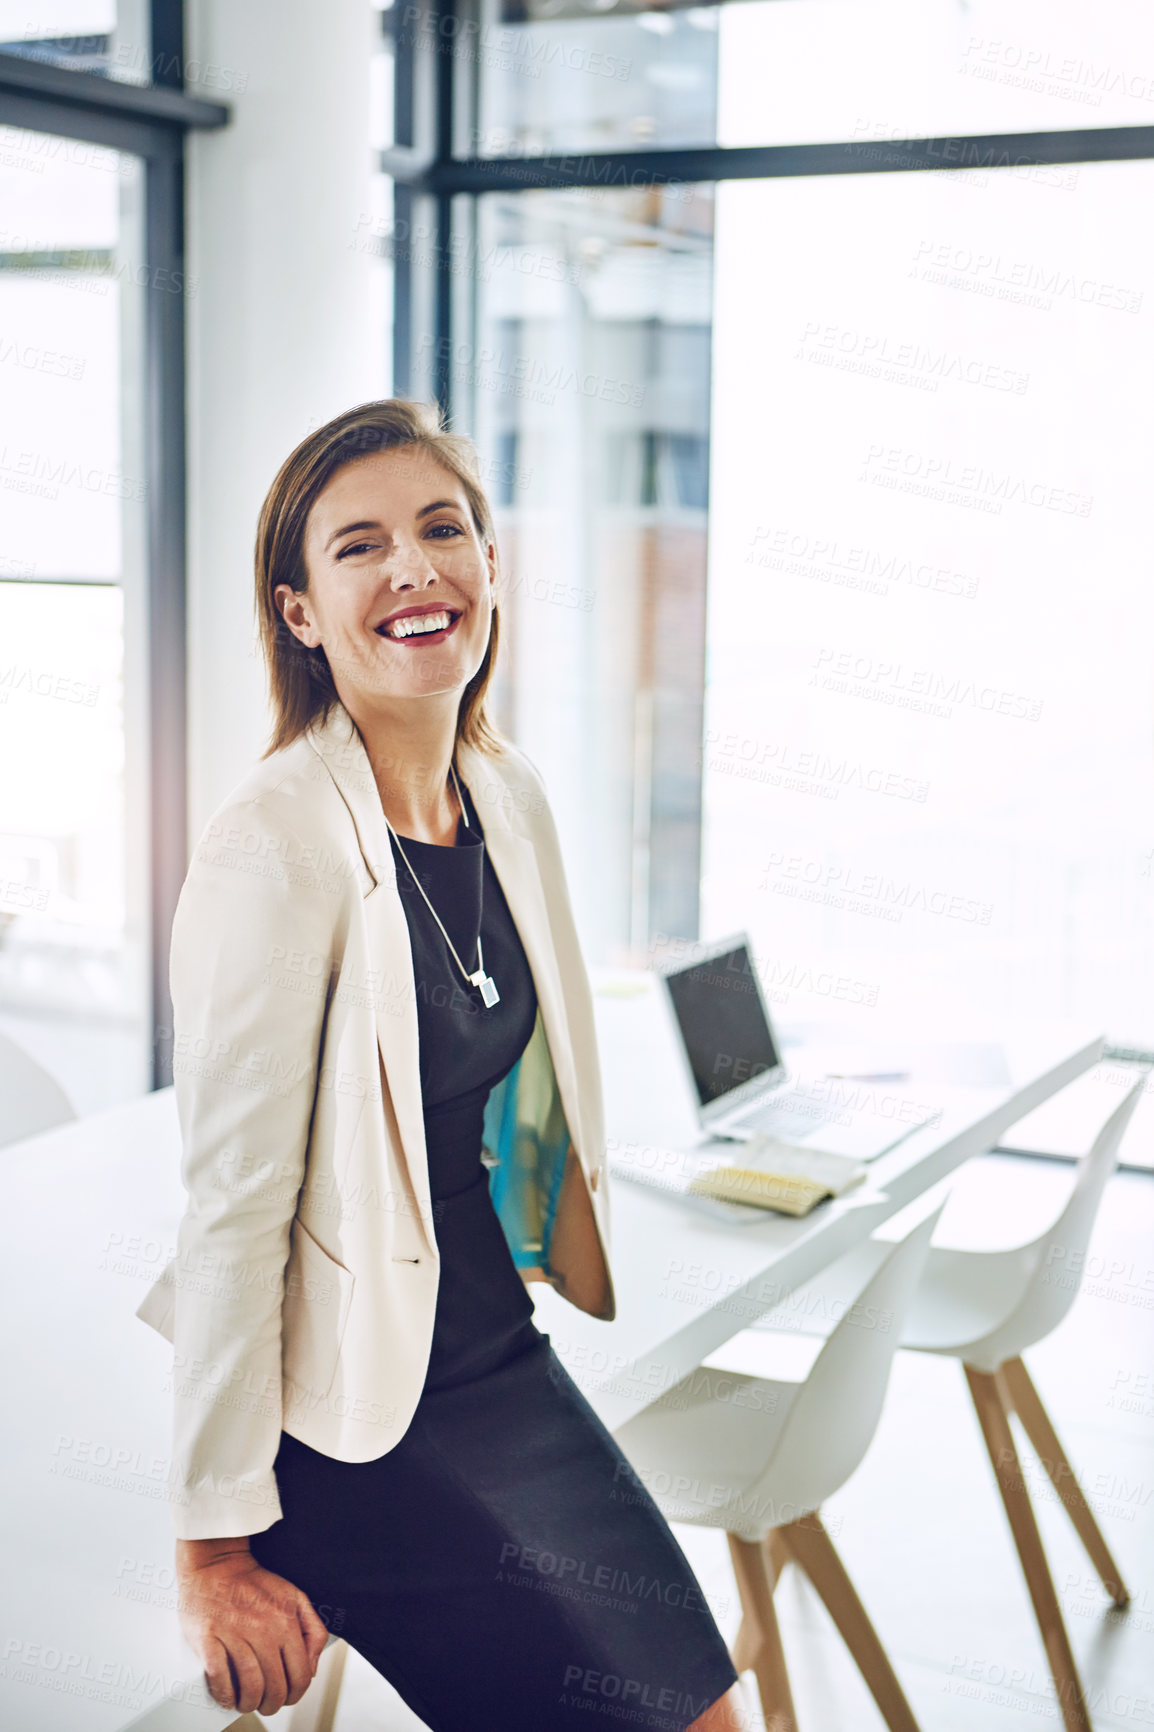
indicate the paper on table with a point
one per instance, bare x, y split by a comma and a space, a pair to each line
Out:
772, 1155
772, 1174
680, 1172
673, 1171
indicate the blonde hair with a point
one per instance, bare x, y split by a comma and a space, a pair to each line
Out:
300, 679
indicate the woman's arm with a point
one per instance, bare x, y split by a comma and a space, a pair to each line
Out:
254, 925
575, 1246
252, 950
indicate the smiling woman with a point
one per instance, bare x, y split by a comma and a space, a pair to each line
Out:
324, 516
440, 1143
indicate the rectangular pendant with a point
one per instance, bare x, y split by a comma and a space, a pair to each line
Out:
489, 993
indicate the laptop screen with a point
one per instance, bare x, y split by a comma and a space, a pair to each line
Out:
723, 1024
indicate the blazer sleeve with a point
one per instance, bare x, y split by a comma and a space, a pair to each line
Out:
251, 963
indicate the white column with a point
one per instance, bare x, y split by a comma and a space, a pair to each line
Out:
288, 317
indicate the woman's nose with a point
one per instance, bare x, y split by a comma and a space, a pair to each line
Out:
410, 565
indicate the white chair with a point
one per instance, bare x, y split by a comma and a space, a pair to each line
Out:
30, 1099
758, 1456
317, 1708
316, 1711
985, 1308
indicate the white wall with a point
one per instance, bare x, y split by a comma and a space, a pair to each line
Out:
288, 323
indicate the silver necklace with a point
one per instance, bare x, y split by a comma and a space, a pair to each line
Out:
485, 982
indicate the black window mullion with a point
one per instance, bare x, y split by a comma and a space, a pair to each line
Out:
166, 43
103, 99
167, 580
442, 203
404, 336
404, 76
442, 371
624, 169
113, 131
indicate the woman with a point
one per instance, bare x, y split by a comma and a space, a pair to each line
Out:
386, 1074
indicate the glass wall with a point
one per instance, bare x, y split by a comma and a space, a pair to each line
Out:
555, 78
74, 899
810, 71
924, 763
108, 37
929, 758
587, 387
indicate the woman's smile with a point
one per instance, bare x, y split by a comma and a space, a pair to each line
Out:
431, 623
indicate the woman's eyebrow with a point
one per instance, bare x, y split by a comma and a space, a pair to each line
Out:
366, 523
370, 523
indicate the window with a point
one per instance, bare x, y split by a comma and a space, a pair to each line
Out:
589, 385
806, 71
92, 724
73, 830
97, 36
929, 760
545, 149
572, 78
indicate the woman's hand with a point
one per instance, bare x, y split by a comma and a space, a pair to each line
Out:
257, 1635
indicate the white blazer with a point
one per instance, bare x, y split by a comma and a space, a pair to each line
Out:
303, 1291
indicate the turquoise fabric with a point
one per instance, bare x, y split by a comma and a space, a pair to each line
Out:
526, 1142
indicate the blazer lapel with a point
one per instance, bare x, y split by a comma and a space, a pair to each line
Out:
390, 963
514, 858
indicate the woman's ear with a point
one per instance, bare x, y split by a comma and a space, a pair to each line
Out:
296, 613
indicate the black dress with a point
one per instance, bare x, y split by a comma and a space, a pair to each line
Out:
502, 1565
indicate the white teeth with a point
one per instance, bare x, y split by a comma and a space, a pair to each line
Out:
418, 624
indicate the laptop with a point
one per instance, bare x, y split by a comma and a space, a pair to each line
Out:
739, 1083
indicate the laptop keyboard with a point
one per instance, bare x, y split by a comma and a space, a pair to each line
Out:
785, 1117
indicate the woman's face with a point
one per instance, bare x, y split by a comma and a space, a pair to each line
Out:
390, 543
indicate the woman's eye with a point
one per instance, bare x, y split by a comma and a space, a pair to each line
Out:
451, 527
355, 547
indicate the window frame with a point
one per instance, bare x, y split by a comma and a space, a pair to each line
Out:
431, 100
152, 123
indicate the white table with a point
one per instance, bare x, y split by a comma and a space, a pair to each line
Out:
89, 1641
686, 1283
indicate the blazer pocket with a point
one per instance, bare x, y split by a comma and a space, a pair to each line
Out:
317, 1294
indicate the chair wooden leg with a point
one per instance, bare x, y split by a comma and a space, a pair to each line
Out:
995, 1423
813, 1549
1036, 1422
779, 1555
758, 1645
317, 1709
